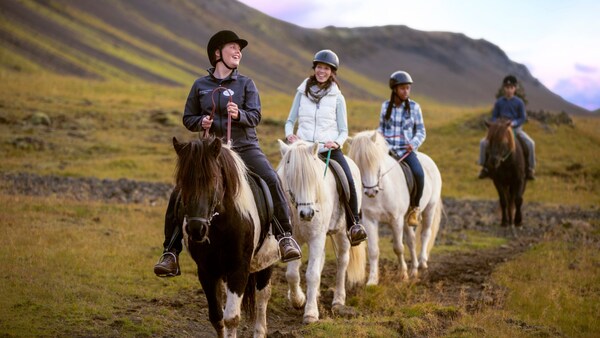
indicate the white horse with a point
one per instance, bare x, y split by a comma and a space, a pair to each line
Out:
388, 200
316, 212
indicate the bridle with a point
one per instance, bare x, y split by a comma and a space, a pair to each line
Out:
380, 175
204, 221
296, 204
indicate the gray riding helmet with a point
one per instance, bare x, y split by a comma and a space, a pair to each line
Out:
327, 57
399, 77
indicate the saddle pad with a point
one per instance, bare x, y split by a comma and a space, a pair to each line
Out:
410, 179
341, 180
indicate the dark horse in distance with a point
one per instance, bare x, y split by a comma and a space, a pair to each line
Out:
506, 164
224, 235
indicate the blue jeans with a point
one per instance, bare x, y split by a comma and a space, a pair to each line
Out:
417, 169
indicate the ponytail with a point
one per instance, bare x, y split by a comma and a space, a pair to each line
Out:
388, 111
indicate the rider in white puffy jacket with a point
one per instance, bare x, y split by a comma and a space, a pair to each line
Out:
320, 110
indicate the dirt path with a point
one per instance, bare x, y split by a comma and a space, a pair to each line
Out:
457, 279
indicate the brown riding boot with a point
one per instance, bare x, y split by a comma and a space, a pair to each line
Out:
168, 265
530, 174
357, 234
413, 217
289, 248
483, 173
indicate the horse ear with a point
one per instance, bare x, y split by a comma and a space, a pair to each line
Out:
349, 140
315, 148
487, 123
215, 146
283, 147
177, 145
507, 123
374, 136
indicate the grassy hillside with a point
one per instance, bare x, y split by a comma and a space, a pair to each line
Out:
120, 129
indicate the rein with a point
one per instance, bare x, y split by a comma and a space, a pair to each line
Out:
379, 175
214, 108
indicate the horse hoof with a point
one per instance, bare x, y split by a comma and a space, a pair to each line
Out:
372, 282
404, 275
414, 273
298, 304
423, 265
310, 319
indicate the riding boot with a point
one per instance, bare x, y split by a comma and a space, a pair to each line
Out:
483, 173
168, 264
413, 217
530, 174
356, 233
288, 247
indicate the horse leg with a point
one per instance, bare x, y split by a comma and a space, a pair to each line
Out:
213, 289
398, 233
502, 194
263, 294
428, 216
292, 275
411, 240
316, 260
342, 246
235, 287
371, 227
518, 215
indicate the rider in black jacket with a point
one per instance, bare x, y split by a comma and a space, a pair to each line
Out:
238, 97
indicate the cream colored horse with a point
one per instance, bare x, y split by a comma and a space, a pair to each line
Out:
317, 212
388, 200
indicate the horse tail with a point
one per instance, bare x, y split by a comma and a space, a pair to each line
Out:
357, 264
435, 226
249, 299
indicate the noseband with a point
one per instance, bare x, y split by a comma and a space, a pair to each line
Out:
206, 221
296, 204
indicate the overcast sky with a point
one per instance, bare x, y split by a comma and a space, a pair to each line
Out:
559, 41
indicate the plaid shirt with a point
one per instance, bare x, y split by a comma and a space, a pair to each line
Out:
402, 128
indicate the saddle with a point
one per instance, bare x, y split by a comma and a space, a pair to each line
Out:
341, 181
264, 205
411, 184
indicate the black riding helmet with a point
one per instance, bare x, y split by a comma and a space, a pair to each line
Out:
399, 77
327, 57
509, 80
217, 42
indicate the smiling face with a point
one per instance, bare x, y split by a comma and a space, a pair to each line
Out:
402, 91
232, 54
509, 90
322, 72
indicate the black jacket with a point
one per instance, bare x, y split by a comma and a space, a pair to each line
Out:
245, 94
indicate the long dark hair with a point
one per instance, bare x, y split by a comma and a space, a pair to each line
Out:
388, 112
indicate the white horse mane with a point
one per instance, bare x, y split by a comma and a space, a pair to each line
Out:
367, 154
244, 202
302, 179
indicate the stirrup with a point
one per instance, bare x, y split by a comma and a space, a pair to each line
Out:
160, 260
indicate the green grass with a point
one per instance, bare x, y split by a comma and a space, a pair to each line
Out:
77, 268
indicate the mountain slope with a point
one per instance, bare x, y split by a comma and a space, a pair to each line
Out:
164, 42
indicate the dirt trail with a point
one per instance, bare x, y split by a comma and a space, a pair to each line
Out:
457, 279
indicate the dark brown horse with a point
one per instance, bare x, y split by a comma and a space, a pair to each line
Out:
505, 162
222, 231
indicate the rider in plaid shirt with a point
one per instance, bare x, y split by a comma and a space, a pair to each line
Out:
401, 124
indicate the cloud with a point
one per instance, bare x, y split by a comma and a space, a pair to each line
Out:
581, 90
585, 68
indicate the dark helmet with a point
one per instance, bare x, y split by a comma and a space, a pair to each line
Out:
399, 77
509, 80
218, 40
327, 57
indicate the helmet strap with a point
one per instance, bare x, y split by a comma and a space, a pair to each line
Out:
221, 60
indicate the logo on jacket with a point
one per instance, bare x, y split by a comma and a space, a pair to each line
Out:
228, 92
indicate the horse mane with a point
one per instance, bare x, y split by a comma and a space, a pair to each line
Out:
198, 167
368, 150
500, 130
302, 170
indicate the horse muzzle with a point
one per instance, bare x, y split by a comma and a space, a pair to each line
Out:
371, 192
198, 229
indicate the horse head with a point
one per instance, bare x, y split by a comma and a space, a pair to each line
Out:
200, 178
301, 174
501, 143
369, 151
